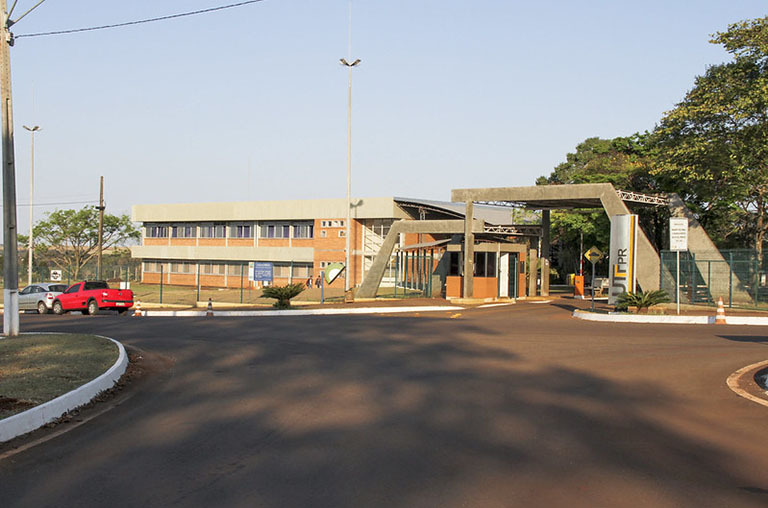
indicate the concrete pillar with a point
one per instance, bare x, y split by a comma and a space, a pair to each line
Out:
545, 227
469, 252
533, 258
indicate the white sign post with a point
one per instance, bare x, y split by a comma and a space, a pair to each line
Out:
678, 240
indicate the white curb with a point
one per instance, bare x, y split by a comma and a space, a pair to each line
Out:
38, 416
682, 320
300, 312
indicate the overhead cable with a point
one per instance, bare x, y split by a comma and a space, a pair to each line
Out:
139, 22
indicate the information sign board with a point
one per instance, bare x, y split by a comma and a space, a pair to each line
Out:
262, 271
678, 234
56, 275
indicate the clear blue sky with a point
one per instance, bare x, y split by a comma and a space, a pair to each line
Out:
250, 103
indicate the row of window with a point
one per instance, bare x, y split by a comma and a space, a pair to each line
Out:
332, 223
280, 270
244, 230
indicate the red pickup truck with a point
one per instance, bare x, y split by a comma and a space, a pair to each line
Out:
92, 295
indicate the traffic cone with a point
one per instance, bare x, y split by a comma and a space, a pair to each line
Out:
720, 317
137, 310
209, 312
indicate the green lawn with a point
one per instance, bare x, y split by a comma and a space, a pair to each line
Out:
37, 368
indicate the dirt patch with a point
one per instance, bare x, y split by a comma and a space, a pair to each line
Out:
11, 405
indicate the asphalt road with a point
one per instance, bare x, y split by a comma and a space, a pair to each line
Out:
506, 406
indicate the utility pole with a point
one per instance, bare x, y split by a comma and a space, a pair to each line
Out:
101, 227
10, 247
31, 201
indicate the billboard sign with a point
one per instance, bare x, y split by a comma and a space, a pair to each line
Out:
622, 256
261, 271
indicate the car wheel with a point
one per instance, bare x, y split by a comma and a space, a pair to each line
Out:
57, 308
93, 308
41, 308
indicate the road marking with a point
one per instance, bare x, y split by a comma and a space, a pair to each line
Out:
733, 383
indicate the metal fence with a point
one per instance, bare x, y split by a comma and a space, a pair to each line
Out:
739, 277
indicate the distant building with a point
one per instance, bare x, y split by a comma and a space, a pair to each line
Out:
212, 244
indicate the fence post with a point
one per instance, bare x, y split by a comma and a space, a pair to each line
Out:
730, 280
757, 278
197, 298
241, 283
692, 256
161, 282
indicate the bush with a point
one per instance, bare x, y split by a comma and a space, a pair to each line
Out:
642, 300
282, 294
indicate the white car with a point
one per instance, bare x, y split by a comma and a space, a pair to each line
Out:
40, 296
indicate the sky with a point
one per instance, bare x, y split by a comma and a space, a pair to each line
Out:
250, 103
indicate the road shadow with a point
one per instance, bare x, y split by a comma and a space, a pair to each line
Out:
373, 411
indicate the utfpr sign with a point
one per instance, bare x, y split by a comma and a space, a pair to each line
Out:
622, 256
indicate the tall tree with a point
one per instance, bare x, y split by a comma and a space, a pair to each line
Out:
714, 144
69, 238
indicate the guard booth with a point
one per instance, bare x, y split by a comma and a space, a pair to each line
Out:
499, 271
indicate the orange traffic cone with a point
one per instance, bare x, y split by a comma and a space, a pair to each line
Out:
720, 316
137, 310
209, 312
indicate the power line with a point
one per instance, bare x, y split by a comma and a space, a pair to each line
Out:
59, 203
139, 22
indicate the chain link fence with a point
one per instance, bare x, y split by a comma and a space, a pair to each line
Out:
739, 277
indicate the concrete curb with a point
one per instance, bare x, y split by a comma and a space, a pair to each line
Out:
681, 320
34, 418
301, 312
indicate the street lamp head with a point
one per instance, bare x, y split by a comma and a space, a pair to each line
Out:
33, 129
347, 64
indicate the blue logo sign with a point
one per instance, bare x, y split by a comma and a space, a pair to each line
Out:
262, 271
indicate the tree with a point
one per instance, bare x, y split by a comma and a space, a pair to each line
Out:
624, 162
69, 238
714, 144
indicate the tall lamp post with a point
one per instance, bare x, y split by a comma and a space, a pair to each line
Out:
349, 169
31, 200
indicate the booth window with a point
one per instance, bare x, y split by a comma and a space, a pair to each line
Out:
485, 264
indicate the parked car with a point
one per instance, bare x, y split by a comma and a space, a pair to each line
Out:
40, 296
92, 295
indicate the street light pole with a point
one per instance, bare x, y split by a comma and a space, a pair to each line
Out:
10, 247
31, 201
349, 167
348, 232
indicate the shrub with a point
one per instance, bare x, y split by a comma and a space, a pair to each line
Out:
282, 294
642, 299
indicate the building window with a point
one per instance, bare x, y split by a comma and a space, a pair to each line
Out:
213, 231
152, 267
241, 231
237, 270
323, 233
301, 271
157, 231
485, 264
180, 267
303, 230
213, 268
281, 270
342, 233
275, 231
183, 231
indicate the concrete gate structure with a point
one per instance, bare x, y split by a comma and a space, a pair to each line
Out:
600, 195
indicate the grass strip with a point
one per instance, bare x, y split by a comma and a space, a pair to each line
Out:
37, 368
